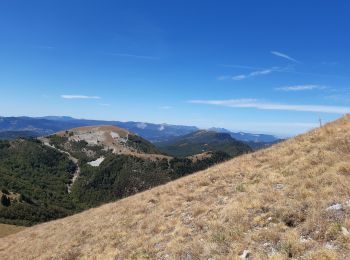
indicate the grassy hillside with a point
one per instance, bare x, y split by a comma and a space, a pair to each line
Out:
287, 201
6, 229
262, 145
203, 141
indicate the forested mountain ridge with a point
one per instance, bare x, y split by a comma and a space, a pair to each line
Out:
203, 141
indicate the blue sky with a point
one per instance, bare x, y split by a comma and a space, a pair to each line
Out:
259, 66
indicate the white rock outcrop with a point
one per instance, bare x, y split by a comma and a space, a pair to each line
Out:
245, 255
97, 162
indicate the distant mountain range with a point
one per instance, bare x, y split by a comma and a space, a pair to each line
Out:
12, 135
52, 124
246, 137
40, 126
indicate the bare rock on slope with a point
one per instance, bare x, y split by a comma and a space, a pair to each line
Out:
245, 255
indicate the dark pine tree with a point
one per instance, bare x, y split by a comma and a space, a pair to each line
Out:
5, 201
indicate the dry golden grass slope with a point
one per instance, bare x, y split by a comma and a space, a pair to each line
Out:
6, 230
273, 203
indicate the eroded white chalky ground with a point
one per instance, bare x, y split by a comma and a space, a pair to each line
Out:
97, 162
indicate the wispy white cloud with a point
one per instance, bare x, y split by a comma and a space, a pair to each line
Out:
300, 88
254, 103
79, 97
255, 73
128, 55
240, 77
288, 69
262, 72
285, 56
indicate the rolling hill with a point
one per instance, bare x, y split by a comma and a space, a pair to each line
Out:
287, 201
203, 141
109, 138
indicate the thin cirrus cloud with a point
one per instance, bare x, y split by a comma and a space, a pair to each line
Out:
79, 97
240, 77
254, 103
252, 74
300, 88
284, 56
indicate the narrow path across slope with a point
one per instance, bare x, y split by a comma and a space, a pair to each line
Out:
46, 142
